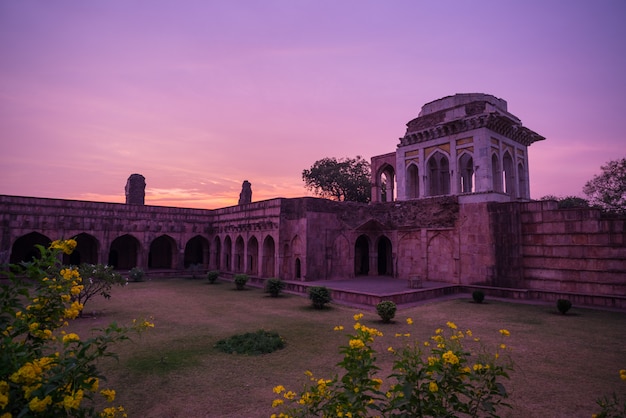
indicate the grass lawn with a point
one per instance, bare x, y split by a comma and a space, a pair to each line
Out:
563, 363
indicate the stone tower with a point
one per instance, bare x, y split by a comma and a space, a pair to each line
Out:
246, 193
466, 144
135, 189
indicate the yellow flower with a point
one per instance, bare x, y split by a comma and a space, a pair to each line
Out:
73, 401
358, 316
391, 350
338, 328
277, 402
450, 357
75, 290
94, 382
451, 325
622, 374
109, 394
4, 394
71, 337
503, 346
39, 405
505, 332
278, 389
356, 344
33, 327
432, 386
290, 395
409, 321
377, 383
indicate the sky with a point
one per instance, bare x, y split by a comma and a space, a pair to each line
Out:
200, 95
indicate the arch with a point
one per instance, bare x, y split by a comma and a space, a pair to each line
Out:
385, 258
496, 173
239, 254
298, 268
161, 254
440, 258
438, 174
466, 173
385, 180
286, 263
216, 254
197, 252
269, 257
124, 252
412, 182
522, 185
23, 249
340, 261
508, 174
252, 256
362, 256
228, 253
86, 251
297, 250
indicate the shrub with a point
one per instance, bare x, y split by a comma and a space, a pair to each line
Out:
319, 296
478, 296
386, 310
449, 375
274, 286
44, 371
240, 281
212, 276
563, 305
251, 343
136, 274
97, 279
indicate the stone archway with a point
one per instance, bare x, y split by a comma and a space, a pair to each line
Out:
252, 257
239, 254
362, 256
269, 256
385, 257
161, 255
197, 252
124, 252
86, 251
228, 253
24, 249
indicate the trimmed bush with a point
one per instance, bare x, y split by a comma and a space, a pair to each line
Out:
240, 281
478, 296
386, 310
274, 286
212, 276
251, 343
563, 305
136, 274
319, 296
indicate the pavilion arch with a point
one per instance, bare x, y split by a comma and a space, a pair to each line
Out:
508, 173
162, 251
86, 251
124, 252
384, 256
228, 253
269, 257
197, 252
440, 260
412, 181
438, 172
385, 182
297, 249
252, 256
466, 173
362, 256
216, 254
23, 248
239, 254
496, 173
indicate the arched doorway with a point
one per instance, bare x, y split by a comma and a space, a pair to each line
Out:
161, 255
24, 249
412, 182
124, 252
238, 267
438, 174
361, 256
86, 250
228, 251
385, 259
253, 256
197, 252
269, 255
217, 254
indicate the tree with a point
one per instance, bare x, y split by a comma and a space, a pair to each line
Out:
568, 202
346, 179
98, 279
608, 189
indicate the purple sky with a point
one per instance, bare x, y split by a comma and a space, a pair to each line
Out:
200, 95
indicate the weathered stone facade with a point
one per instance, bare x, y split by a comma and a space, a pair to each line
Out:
487, 237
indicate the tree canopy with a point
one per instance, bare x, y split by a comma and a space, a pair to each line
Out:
346, 179
607, 190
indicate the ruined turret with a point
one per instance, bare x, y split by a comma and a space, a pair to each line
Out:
135, 189
246, 193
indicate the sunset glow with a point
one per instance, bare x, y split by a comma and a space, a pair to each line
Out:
198, 96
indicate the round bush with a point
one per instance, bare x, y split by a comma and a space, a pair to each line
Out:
478, 296
240, 281
386, 310
319, 296
563, 305
136, 274
212, 276
251, 343
274, 286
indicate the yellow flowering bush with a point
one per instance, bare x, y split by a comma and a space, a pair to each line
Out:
450, 374
44, 371
612, 406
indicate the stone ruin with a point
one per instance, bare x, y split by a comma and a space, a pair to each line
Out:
245, 196
135, 190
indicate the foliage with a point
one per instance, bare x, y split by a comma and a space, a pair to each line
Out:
568, 202
136, 274
97, 279
449, 375
319, 296
212, 276
386, 309
478, 296
251, 343
45, 371
611, 406
240, 281
563, 305
274, 286
346, 179
608, 189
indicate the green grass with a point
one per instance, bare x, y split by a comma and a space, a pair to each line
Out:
563, 363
